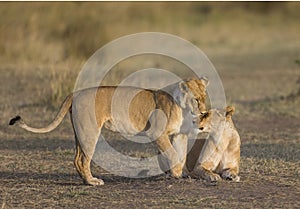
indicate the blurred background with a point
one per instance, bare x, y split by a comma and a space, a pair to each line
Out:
252, 45
55, 32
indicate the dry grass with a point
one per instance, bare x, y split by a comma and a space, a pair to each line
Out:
254, 46
54, 42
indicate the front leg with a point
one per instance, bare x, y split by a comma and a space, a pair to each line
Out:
208, 161
230, 174
168, 152
229, 164
180, 144
207, 174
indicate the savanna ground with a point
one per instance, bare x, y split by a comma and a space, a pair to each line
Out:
255, 48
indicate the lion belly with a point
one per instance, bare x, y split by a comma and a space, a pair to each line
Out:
133, 111
126, 109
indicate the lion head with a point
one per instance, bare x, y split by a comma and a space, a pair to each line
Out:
190, 94
211, 120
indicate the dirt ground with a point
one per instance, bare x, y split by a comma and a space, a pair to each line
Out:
39, 173
261, 80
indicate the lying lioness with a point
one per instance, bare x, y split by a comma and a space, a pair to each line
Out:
219, 155
156, 113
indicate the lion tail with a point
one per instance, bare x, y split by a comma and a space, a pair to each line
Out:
57, 120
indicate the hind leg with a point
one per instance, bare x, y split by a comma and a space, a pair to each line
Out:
82, 164
86, 137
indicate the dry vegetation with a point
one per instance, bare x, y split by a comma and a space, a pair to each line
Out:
254, 46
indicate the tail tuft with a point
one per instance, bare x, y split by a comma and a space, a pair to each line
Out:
14, 120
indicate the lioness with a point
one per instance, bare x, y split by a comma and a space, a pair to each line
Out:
93, 108
219, 155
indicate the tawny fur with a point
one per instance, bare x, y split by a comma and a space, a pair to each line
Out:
218, 156
91, 109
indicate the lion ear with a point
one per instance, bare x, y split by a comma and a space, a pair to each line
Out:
204, 81
183, 95
183, 87
229, 111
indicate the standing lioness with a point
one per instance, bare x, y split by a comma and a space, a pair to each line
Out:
93, 108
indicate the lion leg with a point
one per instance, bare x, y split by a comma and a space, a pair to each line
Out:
168, 152
205, 172
77, 160
208, 161
82, 164
86, 137
231, 174
229, 167
229, 164
180, 144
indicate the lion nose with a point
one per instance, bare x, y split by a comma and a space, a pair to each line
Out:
201, 128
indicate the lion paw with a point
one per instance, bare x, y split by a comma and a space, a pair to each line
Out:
212, 177
206, 175
227, 175
176, 171
95, 182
